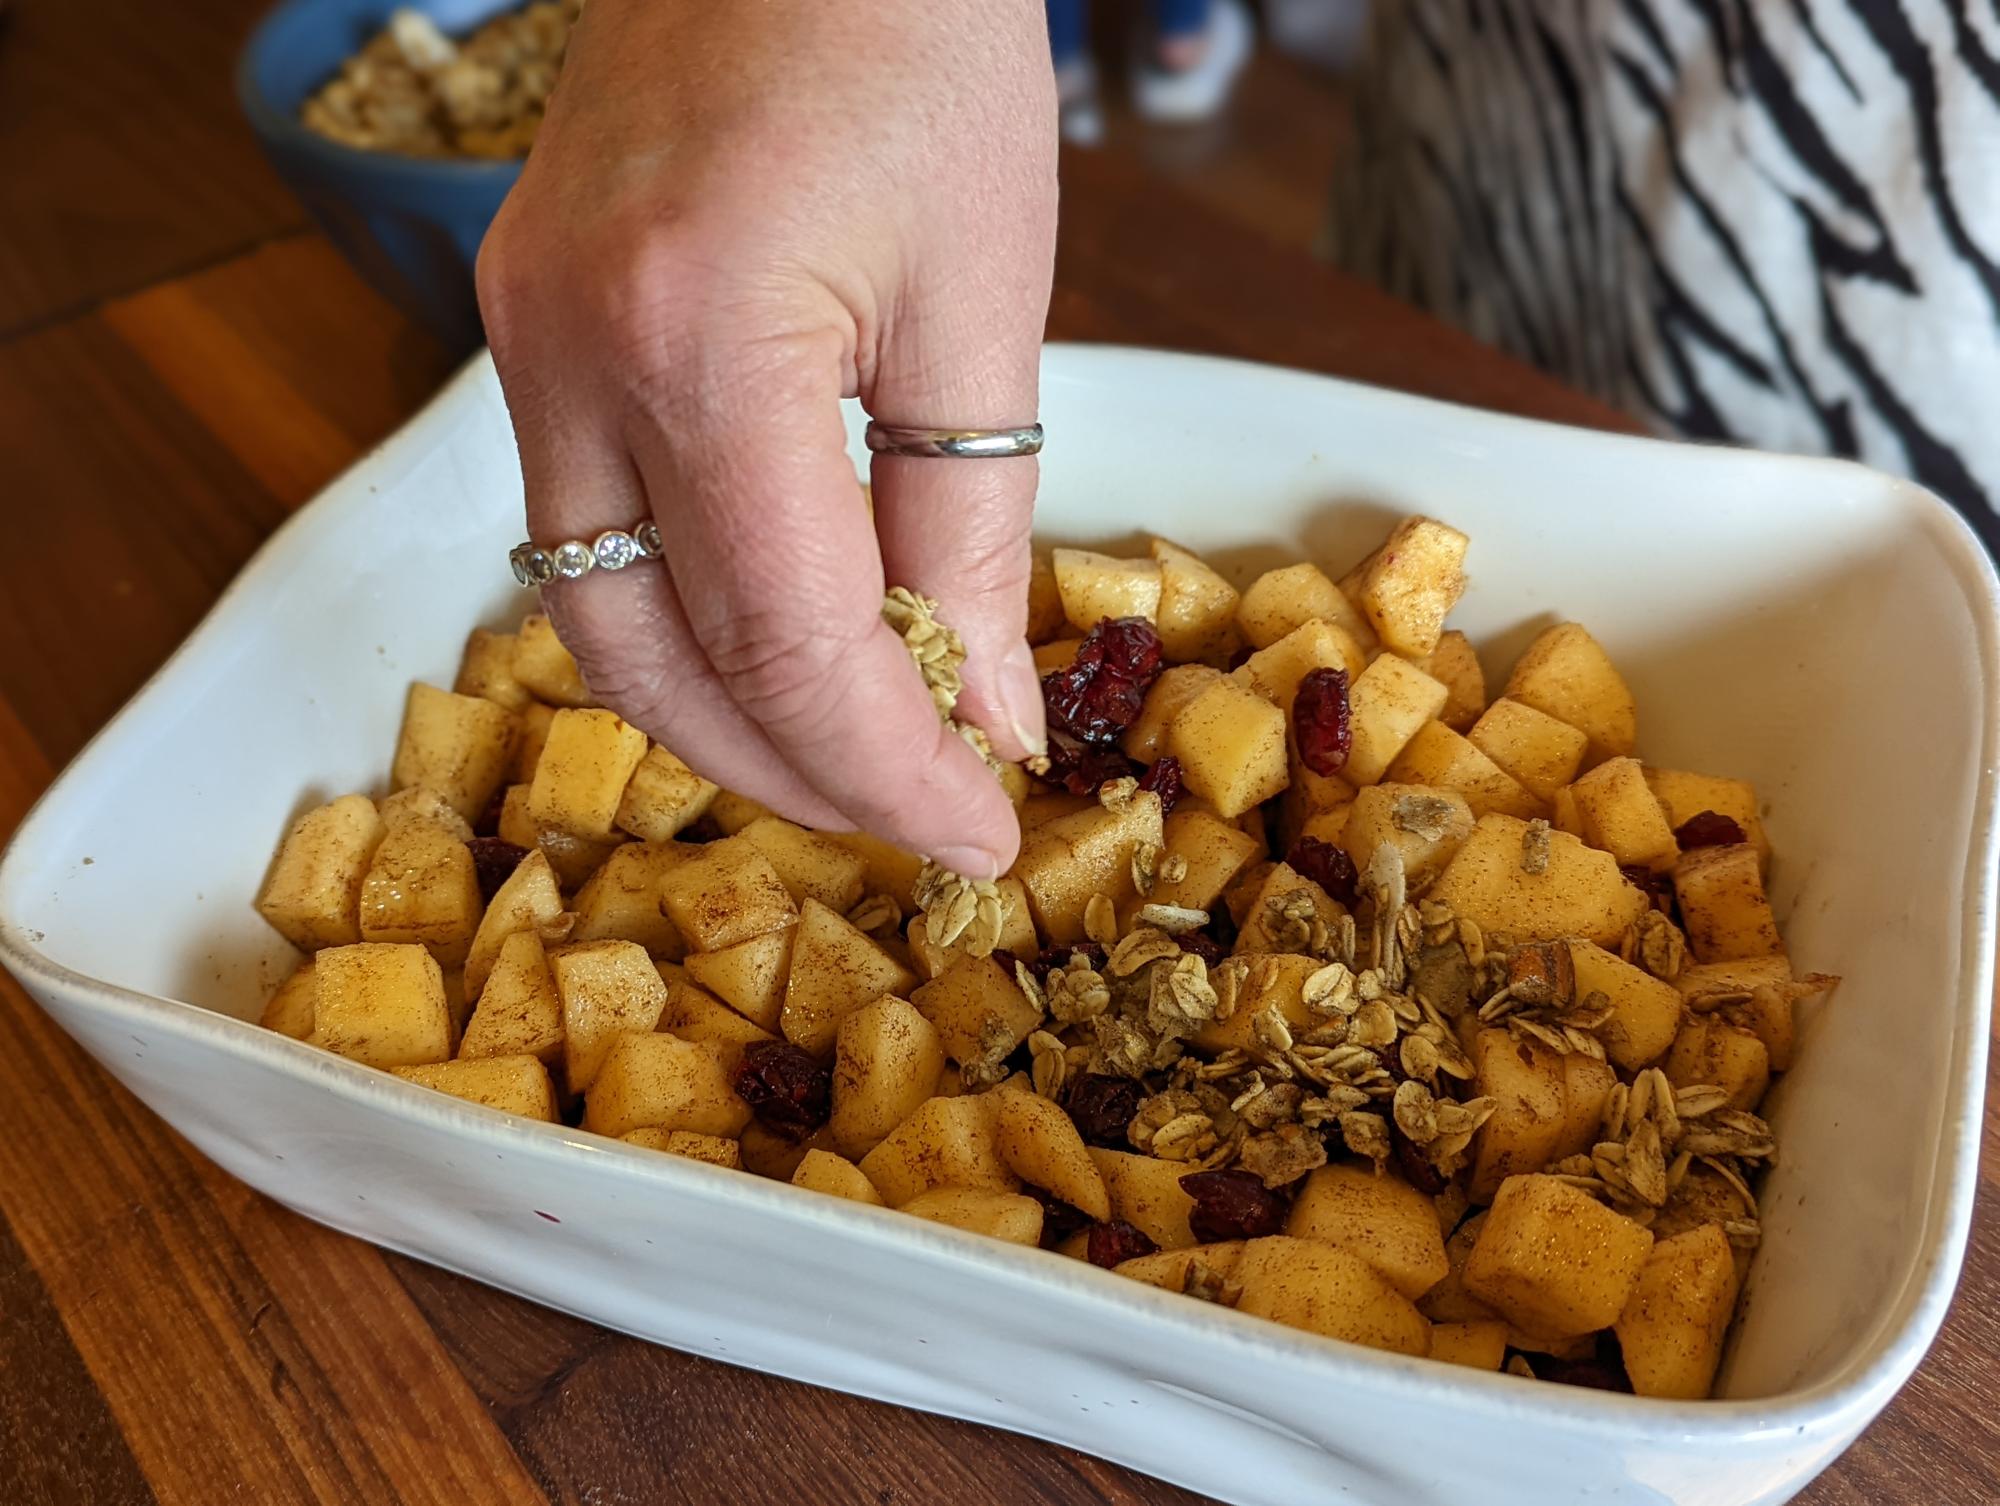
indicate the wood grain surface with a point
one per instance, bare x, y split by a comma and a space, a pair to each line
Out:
181, 364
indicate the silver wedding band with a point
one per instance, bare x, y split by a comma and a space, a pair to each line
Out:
954, 444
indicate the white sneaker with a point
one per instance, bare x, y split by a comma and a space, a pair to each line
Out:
1198, 92
1080, 115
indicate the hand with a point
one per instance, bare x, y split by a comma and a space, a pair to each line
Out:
734, 215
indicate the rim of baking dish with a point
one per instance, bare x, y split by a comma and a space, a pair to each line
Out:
1903, 1330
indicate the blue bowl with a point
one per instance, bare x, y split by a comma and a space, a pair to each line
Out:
411, 225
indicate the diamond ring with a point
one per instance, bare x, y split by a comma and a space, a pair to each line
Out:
954, 444
613, 549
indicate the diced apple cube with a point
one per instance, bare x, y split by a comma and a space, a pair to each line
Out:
1553, 1260
1231, 744
512, 1084
1622, 816
1275, 670
1096, 586
1769, 1012
1713, 1051
486, 669
1197, 614
1671, 1330
694, 1014
1390, 702
836, 1176
1057, 653
1017, 933
1687, 795
312, 896
947, 1142
1477, 1346
1723, 906
1580, 893
1440, 758
727, 893
1566, 673
1045, 608
518, 1013
1454, 665
1066, 861
716, 1150
663, 1082
978, 1009
1177, 685
750, 976
581, 777
835, 970
289, 1010
528, 901
459, 745
621, 901
1587, 1085
662, 798
1146, 1193
732, 812
1539, 752
887, 1058
1382, 1219
1305, 1284
608, 989
1427, 826
382, 1003
1530, 1094
1280, 600
1412, 582
890, 870
1645, 1012
531, 735
1011, 1216
809, 865
543, 665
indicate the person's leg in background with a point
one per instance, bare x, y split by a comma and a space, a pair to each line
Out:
1082, 118
1191, 62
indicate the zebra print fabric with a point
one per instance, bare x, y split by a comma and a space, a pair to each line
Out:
1768, 221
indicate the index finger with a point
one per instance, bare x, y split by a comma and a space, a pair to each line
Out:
776, 564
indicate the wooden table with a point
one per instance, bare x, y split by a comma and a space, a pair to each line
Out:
182, 362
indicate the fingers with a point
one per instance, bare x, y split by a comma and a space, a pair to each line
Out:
637, 654
626, 629
777, 568
961, 356
957, 530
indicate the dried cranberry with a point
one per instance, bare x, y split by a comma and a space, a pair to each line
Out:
1232, 1205
1707, 829
1202, 945
1049, 958
1081, 767
1164, 780
494, 861
788, 1089
1658, 887
1116, 1242
489, 819
1098, 694
1326, 865
1059, 1219
1323, 720
1102, 1106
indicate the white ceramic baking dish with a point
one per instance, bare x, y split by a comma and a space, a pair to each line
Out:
1823, 630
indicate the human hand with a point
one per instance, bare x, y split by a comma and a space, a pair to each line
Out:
734, 216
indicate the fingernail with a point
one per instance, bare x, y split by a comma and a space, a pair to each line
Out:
1021, 697
968, 862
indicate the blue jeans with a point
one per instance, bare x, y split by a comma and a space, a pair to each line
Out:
1069, 23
